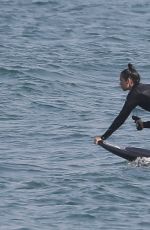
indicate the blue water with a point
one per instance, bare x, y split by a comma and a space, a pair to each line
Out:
59, 68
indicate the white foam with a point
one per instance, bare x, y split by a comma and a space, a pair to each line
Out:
142, 161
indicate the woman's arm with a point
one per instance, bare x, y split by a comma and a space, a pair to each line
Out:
129, 105
146, 124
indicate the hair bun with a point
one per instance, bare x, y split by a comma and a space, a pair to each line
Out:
130, 67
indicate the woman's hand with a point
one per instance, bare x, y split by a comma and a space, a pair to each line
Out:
139, 124
97, 140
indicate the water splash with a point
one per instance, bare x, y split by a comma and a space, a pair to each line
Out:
141, 161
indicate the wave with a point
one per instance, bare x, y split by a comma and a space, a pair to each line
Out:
9, 72
44, 2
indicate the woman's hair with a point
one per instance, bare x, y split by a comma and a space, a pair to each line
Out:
131, 73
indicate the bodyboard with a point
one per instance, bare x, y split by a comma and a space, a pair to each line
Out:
128, 153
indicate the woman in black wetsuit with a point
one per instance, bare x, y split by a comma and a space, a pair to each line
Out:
139, 95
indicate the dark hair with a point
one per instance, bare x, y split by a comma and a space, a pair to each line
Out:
131, 73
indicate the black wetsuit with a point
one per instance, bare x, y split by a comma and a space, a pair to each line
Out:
146, 124
138, 96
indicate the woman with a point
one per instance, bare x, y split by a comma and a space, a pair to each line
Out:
139, 95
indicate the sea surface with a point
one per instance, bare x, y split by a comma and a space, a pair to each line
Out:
60, 62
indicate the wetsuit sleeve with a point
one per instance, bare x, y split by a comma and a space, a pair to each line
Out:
146, 124
129, 105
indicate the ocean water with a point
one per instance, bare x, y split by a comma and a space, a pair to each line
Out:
59, 87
